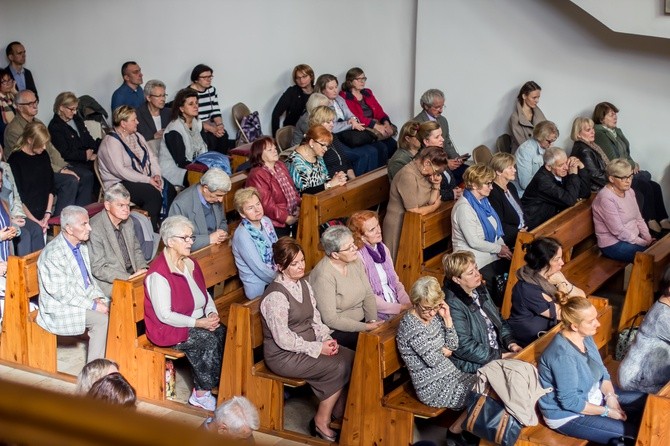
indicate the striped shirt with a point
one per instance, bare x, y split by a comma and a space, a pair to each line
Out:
208, 105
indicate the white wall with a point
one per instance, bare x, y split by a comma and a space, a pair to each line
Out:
643, 17
481, 52
252, 45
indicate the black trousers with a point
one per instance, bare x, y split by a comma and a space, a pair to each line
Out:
147, 197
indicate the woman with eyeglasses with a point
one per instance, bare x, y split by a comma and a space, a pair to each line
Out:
415, 188
252, 243
529, 155
426, 341
615, 145
477, 228
152, 115
209, 111
306, 165
343, 294
7, 93
179, 312
619, 226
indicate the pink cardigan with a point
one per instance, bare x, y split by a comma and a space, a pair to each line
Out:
618, 219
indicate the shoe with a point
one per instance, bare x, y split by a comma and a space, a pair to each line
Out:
654, 226
665, 224
207, 401
316, 432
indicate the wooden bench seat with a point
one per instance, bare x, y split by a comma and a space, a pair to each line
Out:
368, 191
590, 269
655, 425
404, 398
261, 370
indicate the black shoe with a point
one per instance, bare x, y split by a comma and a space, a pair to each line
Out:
316, 432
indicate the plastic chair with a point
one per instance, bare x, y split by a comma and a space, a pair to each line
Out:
504, 143
240, 110
482, 154
284, 137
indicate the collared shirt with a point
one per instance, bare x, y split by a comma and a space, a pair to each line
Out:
124, 95
80, 261
19, 78
431, 117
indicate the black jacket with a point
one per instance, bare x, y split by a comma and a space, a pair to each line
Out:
146, 125
30, 82
508, 216
594, 164
72, 146
545, 196
293, 101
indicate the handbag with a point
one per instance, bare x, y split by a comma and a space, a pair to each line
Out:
356, 138
488, 419
626, 338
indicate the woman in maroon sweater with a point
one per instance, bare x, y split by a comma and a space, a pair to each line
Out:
279, 196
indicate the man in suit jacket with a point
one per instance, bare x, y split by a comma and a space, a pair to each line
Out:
16, 54
432, 103
115, 250
202, 204
154, 92
70, 300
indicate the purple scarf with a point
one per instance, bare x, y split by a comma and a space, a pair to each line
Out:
371, 256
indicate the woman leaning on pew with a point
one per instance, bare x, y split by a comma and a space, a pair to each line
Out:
584, 403
296, 341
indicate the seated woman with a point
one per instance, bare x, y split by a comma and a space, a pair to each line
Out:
343, 294
529, 155
483, 335
179, 313
408, 147
8, 231
71, 138
615, 145
293, 101
555, 187
113, 389
92, 372
619, 226
504, 198
392, 299
430, 135
526, 115
588, 152
426, 343
349, 130
209, 112
152, 115
306, 164
336, 159
125, 158
182, 141
34, 177
476, 226
252, 243
645, 367
535, 308
297, 343
367, 109
29, 236
270, 177
584, 403
7, 93
415, 188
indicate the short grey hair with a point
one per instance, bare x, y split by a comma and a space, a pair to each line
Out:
332, 238
21, 96
216, 180
150, 85
237, 413
429, 96
172, 225
619, 167
117, 192
316, 100
68, 216
552, 155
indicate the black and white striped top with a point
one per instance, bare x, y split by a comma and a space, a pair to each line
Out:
208, 105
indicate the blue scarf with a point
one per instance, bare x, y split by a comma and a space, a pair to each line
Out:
484, 211
263, 244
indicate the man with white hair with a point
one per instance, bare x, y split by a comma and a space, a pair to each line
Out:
203, 204
70, 300
235, 419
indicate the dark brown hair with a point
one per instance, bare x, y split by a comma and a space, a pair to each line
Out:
601, 110
285, 251
257, 148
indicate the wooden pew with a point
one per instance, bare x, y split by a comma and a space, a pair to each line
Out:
374, 415
648, 268
655, 425
364, 192
141, 362
244, 372
584, 265
420, 232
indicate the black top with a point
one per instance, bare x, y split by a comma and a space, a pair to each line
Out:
30, 82
145, 122
508, 215
34, 180
593, 164
525, 318
335, 159
71, 145
293, 102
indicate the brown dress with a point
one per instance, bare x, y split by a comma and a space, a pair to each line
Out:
325, 374
409, 189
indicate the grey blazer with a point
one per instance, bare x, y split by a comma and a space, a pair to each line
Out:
146, 125
444, 125
106, 259
189, 205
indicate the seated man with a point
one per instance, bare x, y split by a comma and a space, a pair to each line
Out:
202, 205
70, 300
235, 419
115, 250
129, 93
556, 186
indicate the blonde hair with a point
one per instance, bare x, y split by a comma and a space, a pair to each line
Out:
618, 167
36, 132
316, 100
424, 130
243, 195
426, 290
66, 98
122, 113
320, 115
92, 372
572, 309
477, 175
456, 263
501, 161
577, 126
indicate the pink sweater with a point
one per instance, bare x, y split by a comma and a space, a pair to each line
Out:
618, 219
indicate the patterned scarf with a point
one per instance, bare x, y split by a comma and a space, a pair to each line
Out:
7, 108
484, 210
287, 187
263, 243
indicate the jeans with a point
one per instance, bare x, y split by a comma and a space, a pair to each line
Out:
603, 429
622, 251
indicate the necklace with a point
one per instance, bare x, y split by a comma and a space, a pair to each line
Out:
617, 192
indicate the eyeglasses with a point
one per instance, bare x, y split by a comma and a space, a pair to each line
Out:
362, 78
159, 95
324, 145
626, 178
550, 141
29, 104
186, 238
211, 76
349, 248
7, 81
429, 309
302, 76
72, 109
